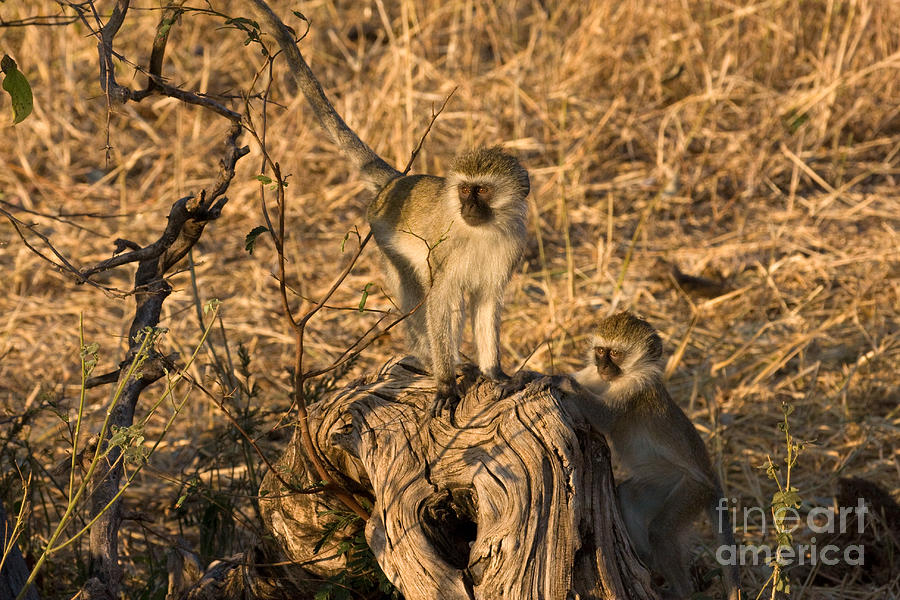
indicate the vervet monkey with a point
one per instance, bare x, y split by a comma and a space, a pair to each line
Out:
446, 241
670, 474
452, 241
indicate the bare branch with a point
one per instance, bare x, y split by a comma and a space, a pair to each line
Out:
186, 222
104, 48
158, 53
40, 21
119, 94
64, 266
186, 219
434, 116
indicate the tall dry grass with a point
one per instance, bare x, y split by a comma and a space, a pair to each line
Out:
756, 144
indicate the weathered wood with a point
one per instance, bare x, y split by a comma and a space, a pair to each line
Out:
511, 498
251, 574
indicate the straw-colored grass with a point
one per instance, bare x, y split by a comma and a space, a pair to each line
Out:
756, 144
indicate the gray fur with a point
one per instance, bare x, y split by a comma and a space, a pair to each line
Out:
443, 266
435, 262
671, 477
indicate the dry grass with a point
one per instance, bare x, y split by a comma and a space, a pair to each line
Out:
753, 143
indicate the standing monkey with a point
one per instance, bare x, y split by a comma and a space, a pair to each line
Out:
446, 241
451, 242
670, 474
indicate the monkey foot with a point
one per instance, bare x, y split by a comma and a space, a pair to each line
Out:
496, 375
446, 398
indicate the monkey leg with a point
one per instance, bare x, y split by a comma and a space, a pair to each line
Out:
486, 306
417, 336
640, 500
666, 535
458, 324
404, 285
442, 315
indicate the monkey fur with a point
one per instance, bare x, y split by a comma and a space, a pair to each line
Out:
450, 244
670, 473
446, 242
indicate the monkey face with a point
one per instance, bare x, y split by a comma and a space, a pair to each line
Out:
608, 361
475, 203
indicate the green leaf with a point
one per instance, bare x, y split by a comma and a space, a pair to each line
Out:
784, 538
16, 85
789, 497
798, 122
243, 23
89, 356
299, 15
166, 24
192, 486
264, 179
365, 296
250, 240
130, 441
324, 593
245, 358
212, 304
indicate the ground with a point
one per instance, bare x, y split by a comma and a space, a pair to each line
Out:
755, 145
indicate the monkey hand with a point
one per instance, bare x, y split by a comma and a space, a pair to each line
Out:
516, 383
446, 398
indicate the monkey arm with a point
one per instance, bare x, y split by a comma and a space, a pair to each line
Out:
584, 404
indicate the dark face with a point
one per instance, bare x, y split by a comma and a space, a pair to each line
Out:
608, 361
475, 203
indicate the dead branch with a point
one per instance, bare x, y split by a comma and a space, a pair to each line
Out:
186, 222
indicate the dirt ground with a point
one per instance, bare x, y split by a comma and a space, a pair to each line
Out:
755, 145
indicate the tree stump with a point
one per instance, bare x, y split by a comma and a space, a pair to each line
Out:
511, 498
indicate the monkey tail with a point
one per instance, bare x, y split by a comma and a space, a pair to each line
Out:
372, 167
721, 522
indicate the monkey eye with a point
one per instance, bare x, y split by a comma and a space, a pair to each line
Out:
615, 355
464, 189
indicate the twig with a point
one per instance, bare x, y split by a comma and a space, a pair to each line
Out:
186, 222
64, 266
434, 116
299, 327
